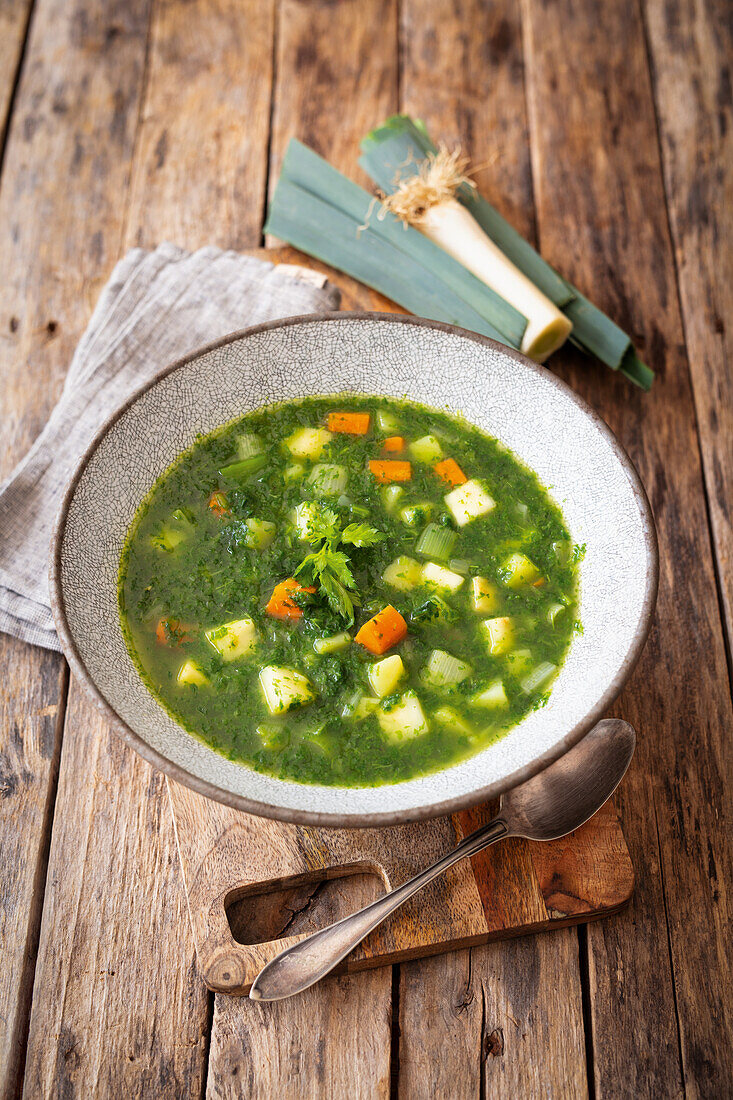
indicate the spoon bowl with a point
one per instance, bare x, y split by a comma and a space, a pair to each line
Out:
564, 796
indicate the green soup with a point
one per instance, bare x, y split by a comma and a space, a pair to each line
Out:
348, 590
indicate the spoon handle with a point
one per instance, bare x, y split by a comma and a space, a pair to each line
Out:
306, 962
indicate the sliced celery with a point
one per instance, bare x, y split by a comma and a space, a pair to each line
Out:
538, 677
445, 670
244, 467
436, 542
333, 644
327, 480
248, 444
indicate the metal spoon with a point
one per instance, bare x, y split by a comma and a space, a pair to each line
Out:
555, 802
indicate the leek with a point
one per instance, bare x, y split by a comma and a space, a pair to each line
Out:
397, 149
400, 144
398, 262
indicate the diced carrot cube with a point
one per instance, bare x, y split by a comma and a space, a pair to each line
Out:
450, 472
382, 631
172, 632
218, 504
394, 444
390, 470
351, 423
280, 606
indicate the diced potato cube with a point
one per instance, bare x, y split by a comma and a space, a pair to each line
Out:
485, 596
491, 697
303, 516
168, 539
385, 675
333, 644
308, 442
404, 573
500, 634
261, 533
469, 501
284, 688
191, 674
518, 570
233, 640
427, 449
405, 720
519, 661
440, 577
450, 719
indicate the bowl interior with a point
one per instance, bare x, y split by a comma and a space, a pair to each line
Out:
525, 407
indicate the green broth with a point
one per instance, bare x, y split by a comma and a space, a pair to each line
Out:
188, 568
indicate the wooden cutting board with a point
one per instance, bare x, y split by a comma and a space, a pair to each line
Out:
255, 886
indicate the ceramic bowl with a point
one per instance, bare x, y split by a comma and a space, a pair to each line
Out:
528, 409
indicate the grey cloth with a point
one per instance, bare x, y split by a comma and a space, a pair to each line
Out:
156, 307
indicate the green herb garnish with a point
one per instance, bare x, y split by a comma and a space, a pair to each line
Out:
330, 567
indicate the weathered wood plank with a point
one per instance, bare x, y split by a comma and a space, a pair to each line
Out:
463, 73
336, 76
79, 85
118, 1007
127, 1010
31, 714
691, 49
14, 16
494, 1014
144, 1026
201, 164
602, 221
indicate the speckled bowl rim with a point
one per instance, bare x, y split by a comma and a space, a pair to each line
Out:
395, 817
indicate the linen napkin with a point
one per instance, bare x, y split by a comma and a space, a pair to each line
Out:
157, 307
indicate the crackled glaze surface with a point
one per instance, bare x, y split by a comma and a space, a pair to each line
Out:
524, 406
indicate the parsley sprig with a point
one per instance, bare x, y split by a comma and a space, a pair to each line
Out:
329, 566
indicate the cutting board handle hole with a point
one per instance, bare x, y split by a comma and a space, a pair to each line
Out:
267, 911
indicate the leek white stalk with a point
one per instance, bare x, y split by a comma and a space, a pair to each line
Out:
426, 201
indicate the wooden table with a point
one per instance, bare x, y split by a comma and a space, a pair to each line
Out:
605, 131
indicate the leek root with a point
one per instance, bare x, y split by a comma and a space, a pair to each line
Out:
426, 201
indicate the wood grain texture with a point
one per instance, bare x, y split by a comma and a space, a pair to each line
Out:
691, 47
336, 77
118, 1007
602, 221
497, 1012
201, 161
14, 16
78, 86
463, 72
31, 713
